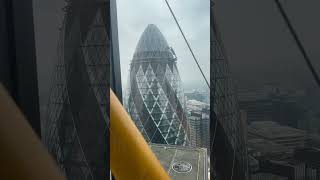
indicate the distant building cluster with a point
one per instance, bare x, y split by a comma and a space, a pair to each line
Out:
198, 95
279, 143
282, 105
286, 136
280, 152
199, 120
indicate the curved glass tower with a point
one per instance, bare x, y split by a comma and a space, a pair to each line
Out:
155, 96
229, 153
76, 130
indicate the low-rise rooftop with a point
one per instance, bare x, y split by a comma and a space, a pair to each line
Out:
273, 130
182, 163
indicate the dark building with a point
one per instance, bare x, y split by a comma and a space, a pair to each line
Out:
267, 176
155, 96
280, 153
284, 135
256, 103
311, 157
229, 151
76, 129
282, 105
313, 140
291, 169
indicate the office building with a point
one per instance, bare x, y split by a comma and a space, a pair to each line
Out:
228, 146
77, 124
155, 96
199, 118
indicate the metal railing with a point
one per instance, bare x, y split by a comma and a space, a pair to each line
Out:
24, 157
130, 156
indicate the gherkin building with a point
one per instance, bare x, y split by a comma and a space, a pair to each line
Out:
76, 125
228, 145
155, 96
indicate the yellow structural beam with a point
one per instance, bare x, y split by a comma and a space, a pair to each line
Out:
22, 155
131, 158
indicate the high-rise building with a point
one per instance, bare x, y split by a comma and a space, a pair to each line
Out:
199, 117
76, 130
155, 96
229, 151
194, 120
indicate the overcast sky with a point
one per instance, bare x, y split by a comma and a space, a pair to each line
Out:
258, 44
194, 18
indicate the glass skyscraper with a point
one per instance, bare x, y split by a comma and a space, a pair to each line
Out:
76, 130
228, 146
155, 96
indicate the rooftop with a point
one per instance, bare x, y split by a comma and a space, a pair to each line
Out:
152, 40
270, 176
182, 163
273, 130
265, 147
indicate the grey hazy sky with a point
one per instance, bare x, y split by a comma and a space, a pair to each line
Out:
258, 44
194, 18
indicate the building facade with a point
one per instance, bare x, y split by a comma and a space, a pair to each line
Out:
155, 96
76, 129
228, 146
199, 118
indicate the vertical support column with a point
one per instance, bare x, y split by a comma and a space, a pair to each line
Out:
115, 57
18, 70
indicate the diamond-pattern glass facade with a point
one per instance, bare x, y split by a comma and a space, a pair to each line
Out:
76, 129
225, 106
155, 96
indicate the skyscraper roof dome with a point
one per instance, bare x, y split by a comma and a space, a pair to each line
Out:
152, 43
